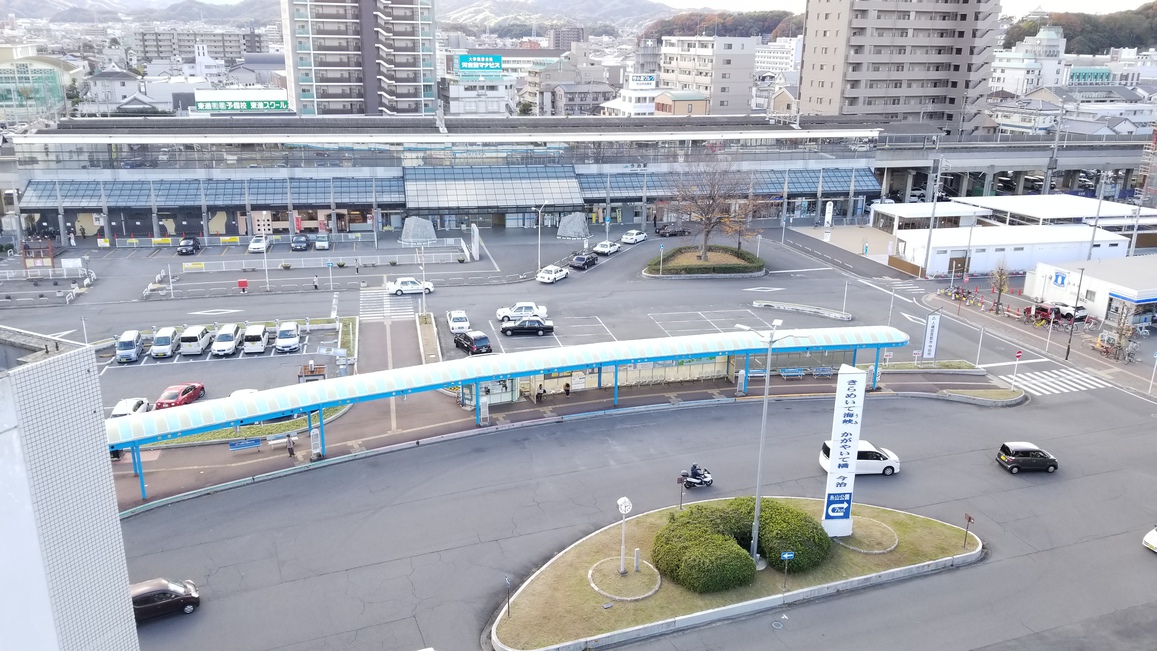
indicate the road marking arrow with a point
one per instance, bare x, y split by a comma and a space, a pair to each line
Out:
58, 335
764, 289
217, 312
913, 319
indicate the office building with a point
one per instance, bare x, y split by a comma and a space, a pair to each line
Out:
899, 61
720, 67
360, 57
780, 56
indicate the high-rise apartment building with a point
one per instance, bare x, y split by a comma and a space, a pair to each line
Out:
355, 57
721, 67
560, 38
228, 45
779, 56
899, 61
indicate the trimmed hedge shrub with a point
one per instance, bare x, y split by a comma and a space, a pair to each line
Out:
704, 548
752, 262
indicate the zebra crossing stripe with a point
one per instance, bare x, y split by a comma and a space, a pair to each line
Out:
1057, 381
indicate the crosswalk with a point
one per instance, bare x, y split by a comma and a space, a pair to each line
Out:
379, 305
1064, 380
905, 286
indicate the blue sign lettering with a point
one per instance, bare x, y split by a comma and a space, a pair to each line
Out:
838, 506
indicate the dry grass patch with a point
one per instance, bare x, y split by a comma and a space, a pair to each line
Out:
691, 259
633, 584
560, 606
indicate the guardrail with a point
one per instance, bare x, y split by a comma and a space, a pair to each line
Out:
243, 240
360, 261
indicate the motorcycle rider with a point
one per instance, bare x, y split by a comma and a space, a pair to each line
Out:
695, 472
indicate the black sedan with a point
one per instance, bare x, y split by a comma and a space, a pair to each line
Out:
299, 243
584, 261
529, 326
160, 597
188, 246
672, 230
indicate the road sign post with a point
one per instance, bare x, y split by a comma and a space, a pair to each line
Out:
1016, 365
330, 266
1154, 373
660, 259
967, 524
887, 356
786, 558
916, 358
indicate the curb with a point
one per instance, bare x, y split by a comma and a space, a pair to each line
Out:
968, 400
706, 617
804, 309
753, 274
934, 371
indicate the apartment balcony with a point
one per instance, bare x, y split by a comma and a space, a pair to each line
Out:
351, 48
334, 15
348, 30
322, 78
348, 93
321, 62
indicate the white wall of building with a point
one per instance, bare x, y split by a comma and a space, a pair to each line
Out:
1018, 248
66, 577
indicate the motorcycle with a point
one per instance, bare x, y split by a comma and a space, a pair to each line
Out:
703, 480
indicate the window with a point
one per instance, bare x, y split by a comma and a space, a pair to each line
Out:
727, 62
1018, 248
999, 249
725, 75
726, 46
723, 102
725, 89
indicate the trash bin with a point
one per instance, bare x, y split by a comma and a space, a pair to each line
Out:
243, 285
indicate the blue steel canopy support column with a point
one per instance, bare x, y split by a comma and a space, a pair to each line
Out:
139, 469
477, 407
876, 370
616, 401
321, 430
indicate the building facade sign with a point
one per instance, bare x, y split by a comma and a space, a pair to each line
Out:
643, 82
480, 62
242, 106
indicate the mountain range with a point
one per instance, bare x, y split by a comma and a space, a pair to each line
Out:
481, 14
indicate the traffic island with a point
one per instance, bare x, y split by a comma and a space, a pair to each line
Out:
558, 607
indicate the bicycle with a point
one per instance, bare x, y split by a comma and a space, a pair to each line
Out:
1090, 324
1143, 330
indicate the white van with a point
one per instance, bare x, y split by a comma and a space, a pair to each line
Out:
194, 340
288, 337
129, 346
164, 342
227, 339
254, 340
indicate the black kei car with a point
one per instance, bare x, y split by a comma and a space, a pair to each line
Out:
160, 597
299, 243
528, 326
672, 230
473, 342
188, 246
584, 261
1017, 456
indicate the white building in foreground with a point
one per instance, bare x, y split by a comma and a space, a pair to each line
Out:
1107, 286
981, 249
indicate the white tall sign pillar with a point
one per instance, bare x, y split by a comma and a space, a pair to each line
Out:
844, 445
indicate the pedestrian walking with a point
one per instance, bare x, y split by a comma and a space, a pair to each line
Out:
80, 229
566, 389
289, 444
315, 282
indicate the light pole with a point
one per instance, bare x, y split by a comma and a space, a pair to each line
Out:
1097, 219
762, 434
540, 237
1076, 304
932, 219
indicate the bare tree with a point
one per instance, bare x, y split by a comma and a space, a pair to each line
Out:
999, 283
1122, 327
717, 197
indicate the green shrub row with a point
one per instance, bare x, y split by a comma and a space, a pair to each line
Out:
754, 263
704, 548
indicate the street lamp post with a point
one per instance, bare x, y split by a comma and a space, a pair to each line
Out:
762, 437
1076, 304
540, 208
1097, 219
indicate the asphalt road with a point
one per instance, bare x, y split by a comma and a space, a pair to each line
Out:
409, 550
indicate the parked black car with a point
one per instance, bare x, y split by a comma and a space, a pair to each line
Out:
473, 342
160, 597
299, 243
188, 246
584, 261
1019, 456
528, 326
672, 230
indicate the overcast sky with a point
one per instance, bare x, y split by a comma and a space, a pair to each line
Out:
1012, 7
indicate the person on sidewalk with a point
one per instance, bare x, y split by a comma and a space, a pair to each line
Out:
539, 396
289, 444
80, 229
315, 282
566, 389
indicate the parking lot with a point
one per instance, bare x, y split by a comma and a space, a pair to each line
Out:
578, 330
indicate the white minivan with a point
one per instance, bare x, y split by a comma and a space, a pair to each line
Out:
129, 346
195, 340
164, 342
254, 340
226, 340
288, 337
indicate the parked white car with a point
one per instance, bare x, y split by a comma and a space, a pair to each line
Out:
633, 237
520, 311
458, 321
409, 286
871, 460
1150, 539
606, 248
259, 244
130, 406
551, 274
288, 337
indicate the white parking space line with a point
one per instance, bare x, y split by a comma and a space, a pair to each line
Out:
613, 337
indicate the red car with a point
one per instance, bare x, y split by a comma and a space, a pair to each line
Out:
180, 394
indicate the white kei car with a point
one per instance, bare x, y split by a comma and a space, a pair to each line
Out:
551, 274
633, 237
871, 460
458, 321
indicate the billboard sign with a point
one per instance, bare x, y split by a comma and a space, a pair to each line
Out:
480, 62
242, 106
842, 451
643, 82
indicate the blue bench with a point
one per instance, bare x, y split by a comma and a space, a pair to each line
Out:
792, 373
824, 372
246, 444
